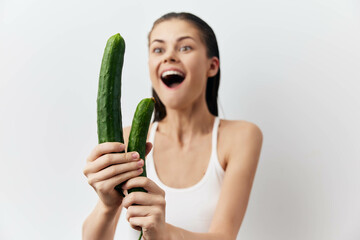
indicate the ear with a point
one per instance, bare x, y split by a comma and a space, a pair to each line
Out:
214, 65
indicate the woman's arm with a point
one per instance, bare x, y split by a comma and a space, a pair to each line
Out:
246, 141
101, 223
105, 168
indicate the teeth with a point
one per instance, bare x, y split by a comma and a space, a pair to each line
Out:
172, 72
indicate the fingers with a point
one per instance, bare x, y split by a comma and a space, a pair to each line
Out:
146, 224
110, 159
111, 147
145, 210
104, 148
106, 186
138, 211
115, 170
142, 198
148, 218
145, 183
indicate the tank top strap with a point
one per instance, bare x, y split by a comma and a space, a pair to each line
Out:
214, 160
152, 132
214, 136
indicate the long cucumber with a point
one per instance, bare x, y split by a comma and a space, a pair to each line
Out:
109, 120
139, 131
138, 134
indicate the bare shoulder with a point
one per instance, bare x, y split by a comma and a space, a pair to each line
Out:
241, 130
239, 141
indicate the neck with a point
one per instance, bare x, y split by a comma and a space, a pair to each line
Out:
182, 125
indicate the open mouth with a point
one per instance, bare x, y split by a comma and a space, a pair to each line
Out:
172, 78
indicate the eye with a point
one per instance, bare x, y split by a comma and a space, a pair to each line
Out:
157, 50
185, 48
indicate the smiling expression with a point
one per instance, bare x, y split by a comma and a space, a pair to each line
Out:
178, 63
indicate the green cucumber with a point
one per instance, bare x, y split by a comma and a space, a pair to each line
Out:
138, 135
139, 131
109, 119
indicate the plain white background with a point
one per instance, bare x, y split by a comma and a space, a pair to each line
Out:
291, 67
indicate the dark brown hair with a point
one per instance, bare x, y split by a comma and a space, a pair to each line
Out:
208, 37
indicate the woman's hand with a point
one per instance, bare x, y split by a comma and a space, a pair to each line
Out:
146, 211
106, 167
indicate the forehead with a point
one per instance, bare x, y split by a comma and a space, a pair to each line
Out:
173, 29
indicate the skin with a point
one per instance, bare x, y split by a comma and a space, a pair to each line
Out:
104, 170
183, 140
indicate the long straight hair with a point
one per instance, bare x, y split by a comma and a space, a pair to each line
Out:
207, 35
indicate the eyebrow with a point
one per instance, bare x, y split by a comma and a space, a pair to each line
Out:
178, 40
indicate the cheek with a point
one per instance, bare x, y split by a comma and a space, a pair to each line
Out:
199, 74
198, 65
152, 70
151, 65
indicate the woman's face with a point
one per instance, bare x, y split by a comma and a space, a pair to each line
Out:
178, 63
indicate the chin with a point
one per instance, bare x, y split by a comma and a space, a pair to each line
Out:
174, 102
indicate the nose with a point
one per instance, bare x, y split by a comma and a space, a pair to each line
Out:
170, 56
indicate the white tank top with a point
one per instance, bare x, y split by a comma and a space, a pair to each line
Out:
190, 208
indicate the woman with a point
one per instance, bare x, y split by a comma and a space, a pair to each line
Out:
200, 170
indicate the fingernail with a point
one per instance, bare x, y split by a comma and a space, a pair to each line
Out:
122, 147
135, 155
140, 162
